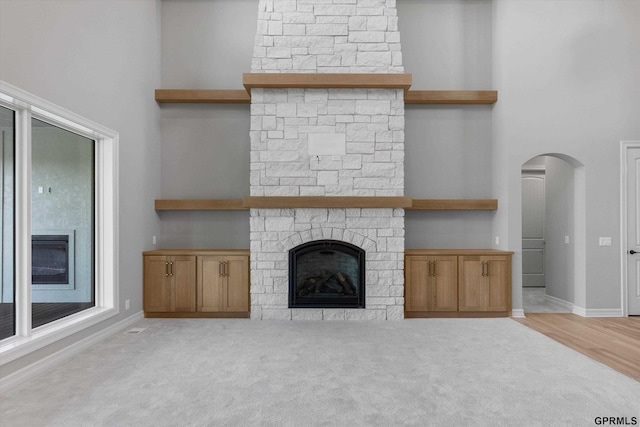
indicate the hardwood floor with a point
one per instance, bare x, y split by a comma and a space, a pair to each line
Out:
614, 342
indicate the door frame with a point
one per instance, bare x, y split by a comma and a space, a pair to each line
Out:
624, 155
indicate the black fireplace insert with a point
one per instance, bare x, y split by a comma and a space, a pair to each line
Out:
326, 274
49, 259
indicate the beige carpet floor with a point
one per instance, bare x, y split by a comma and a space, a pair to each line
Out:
422, 372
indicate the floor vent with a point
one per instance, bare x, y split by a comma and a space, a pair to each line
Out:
135, 331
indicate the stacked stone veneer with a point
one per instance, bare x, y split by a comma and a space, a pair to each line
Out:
335, 36
327, 36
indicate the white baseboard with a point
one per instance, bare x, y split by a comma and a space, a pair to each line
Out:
34, 369
565, 304
597, 312
518, 313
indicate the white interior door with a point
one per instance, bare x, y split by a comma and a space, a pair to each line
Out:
633, 230
533, 208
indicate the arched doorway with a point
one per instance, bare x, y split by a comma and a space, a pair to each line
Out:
553, 246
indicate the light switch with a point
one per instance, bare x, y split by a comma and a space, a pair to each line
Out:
566, 240
605, 241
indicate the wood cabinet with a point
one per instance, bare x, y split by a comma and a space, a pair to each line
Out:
431, 283
196, 283
482, 283
457, 283
169, 283
223, 283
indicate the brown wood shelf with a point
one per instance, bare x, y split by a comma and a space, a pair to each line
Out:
449, 252
454, 204
199, 204
322, 81
240, 96
202, 96
324, 202
471, 97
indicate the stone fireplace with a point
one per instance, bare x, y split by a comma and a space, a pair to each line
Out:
327, 142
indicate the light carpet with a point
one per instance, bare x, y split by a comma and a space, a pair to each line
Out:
235, 372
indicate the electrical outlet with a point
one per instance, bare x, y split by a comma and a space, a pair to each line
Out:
154, 240
497, 240
566, 240
605, 241
126, 304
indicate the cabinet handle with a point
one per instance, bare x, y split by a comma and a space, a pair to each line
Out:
171, 269
220, 269
485, 269
226, 268
166, 269
435, 272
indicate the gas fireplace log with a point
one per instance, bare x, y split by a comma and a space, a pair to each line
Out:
346, 284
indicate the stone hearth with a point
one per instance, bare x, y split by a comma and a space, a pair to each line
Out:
327, 142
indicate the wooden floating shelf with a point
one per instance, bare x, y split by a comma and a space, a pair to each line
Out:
199, 205
324, 202
326, 81
454, 204
203, 96
472, 97
240, 96
327, 202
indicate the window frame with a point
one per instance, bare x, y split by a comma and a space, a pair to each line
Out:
27, 106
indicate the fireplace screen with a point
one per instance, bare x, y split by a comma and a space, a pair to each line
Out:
49, 259
326, 274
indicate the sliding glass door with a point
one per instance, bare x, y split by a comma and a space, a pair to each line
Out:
62, 222
7, 231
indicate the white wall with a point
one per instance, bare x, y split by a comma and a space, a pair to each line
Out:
559, 222
205, 148
99, 59
567, 73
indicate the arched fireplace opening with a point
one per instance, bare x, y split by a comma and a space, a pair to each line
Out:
326, 274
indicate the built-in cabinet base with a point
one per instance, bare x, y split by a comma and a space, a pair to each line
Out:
200, 283
457, 283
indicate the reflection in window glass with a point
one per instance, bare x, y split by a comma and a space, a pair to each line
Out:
62, 223
7, 281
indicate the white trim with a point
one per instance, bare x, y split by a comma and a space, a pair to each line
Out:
565, 304
624, 244
16, 378
597, 312
518, 313
580, 311
27, 339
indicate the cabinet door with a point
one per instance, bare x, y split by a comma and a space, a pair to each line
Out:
498, 283
472, 284
431, 283
183, 276
236, 289
211, 281
157, 284
444, 283
485, 283
417, 283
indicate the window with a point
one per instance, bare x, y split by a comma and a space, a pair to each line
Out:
58, 178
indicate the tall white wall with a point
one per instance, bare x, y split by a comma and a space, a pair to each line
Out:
205, 148
567, 73
559, 222
99, 59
